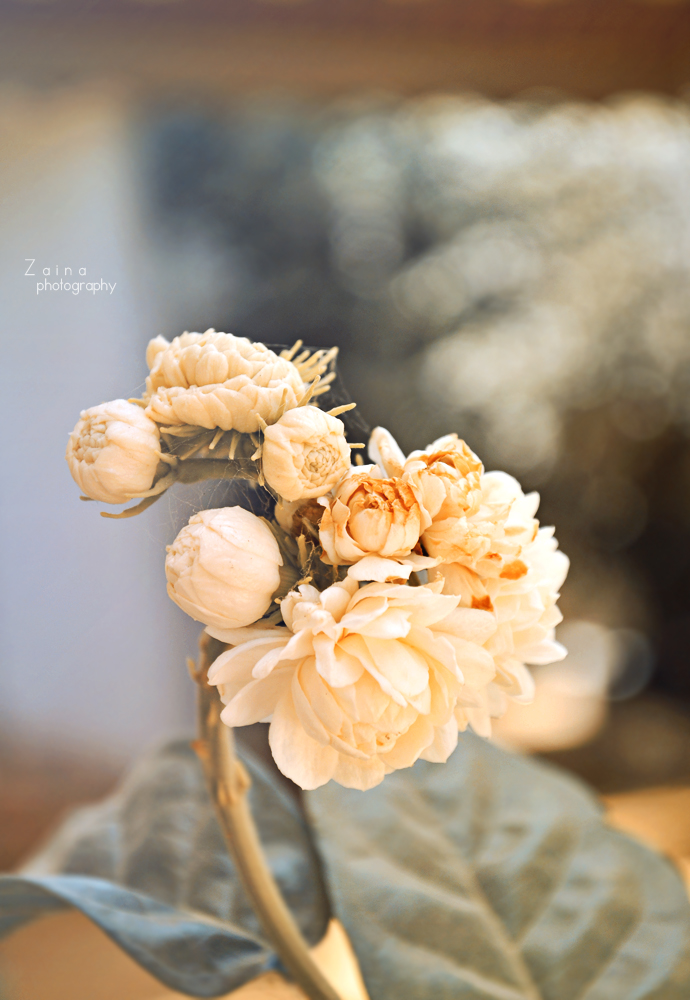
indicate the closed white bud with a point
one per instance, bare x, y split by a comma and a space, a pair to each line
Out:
224, 567
113, 452
305, 453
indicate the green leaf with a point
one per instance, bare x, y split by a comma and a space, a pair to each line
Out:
489, 878
493, 877
149, 866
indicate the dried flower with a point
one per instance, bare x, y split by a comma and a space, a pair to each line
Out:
447, 476
219, 380
305, 453
370, 515
493, 555
468, 509
363, 681
224, 567
522, 595
114, 451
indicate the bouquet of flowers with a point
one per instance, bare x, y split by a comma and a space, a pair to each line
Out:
382, 609
370, 611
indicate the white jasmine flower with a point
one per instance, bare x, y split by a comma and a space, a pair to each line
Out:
219, 380
370, 515
114, 451
224, 567
465, 525
493, 555
523, 598
468, 509
305, 454
363, 681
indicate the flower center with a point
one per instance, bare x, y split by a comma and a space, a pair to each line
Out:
91, 440
319, 459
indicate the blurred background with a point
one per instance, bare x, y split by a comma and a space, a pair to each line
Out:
485, 205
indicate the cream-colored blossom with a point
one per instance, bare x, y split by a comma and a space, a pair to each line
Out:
114, 451
493, 555
370, 515
305, 454
469, 510
224, 567
522, 597
447, 475
363, 681
489, 539
219, 380
466, 524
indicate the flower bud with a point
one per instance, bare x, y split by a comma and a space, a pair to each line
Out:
113, 452
219, 380
224, 567
371, 516
305, 453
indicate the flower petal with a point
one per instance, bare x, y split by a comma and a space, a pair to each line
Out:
468, 623
385, 451
392, 624
238, 659
356, 645
268, 661
337, 667
235, 636
378, 569
402, 665
476, 663
298, 756
363, 611
257, 700
547, 651
445, 741
359, 774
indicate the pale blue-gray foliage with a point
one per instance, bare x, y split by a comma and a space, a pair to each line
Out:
489, 878
494, 878
150, 868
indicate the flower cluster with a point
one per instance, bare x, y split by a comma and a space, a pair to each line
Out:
383, 608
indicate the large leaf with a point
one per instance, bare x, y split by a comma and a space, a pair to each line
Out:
150, 868
490, 877
494, 878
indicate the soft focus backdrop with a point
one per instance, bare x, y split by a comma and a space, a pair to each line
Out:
492, 255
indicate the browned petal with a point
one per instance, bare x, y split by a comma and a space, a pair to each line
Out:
461, 458
482, 603
514, 570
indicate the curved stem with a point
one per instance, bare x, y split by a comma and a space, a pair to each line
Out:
229, 783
